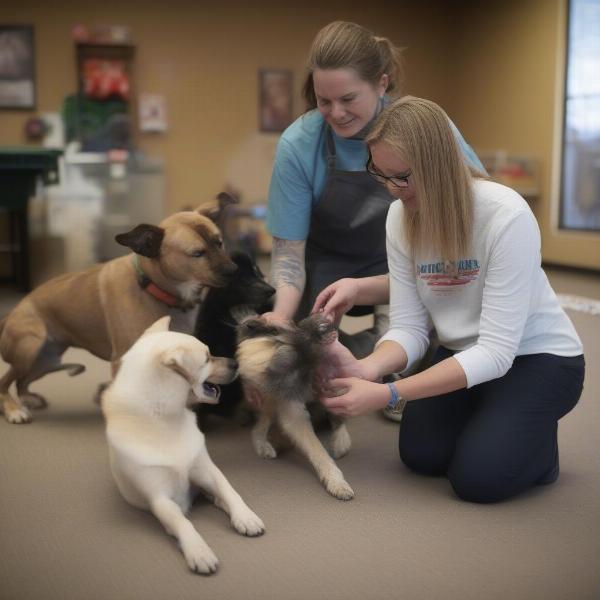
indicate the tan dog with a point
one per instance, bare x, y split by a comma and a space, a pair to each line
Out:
104, 309
158, 455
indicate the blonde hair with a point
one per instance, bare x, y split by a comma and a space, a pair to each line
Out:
420, 132
347, 45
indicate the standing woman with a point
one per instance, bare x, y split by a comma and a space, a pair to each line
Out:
326, 215
464, 252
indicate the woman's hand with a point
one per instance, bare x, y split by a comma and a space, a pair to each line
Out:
337, 299
349, 397
338, 361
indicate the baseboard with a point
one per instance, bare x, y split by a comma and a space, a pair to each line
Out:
571, 268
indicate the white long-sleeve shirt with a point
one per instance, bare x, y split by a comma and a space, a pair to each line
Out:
497, 305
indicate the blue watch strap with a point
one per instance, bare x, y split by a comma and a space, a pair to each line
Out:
394, 396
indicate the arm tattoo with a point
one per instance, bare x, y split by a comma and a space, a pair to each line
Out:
287, 263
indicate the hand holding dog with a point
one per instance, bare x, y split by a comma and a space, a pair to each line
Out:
346, 383
337, 299
338, 361
351, 396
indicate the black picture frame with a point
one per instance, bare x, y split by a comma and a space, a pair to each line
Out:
275, 94
17, 67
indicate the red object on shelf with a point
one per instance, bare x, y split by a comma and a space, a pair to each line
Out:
103, 78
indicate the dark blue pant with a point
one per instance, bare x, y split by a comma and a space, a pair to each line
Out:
498, 438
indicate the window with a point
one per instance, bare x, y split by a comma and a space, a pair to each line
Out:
580, 186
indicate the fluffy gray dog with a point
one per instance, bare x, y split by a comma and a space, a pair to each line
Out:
281, 364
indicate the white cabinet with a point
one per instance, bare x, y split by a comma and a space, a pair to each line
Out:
95, 200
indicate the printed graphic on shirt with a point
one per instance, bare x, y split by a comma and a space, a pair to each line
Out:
448, 276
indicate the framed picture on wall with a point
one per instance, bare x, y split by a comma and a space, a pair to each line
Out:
275, 99
17, 67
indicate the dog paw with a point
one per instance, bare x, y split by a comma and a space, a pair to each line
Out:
199, 557
340, 489
33, 401
340, 442
17, 415
247, 523
264, 449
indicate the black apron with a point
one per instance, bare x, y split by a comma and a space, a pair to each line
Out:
347, 230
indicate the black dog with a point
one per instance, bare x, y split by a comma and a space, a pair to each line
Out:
217, 329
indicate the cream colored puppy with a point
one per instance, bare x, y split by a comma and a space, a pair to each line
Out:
158, 455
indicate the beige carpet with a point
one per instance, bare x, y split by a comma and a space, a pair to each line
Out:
65, 533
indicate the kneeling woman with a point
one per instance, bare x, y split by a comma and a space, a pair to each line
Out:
464, 252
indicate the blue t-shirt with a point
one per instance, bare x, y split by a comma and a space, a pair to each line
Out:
300, 171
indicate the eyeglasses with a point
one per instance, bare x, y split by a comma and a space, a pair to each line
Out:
400, 180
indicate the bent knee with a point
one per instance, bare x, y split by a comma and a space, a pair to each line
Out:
423, 459
480, 485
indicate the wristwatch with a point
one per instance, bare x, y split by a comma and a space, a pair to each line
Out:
397, 402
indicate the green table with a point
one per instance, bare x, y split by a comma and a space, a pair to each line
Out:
20, 166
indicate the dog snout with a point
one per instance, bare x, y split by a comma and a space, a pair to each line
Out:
264, 289
224, 370
233, 367
224, 272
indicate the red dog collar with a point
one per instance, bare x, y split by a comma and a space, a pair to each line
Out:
161, 295
149, 286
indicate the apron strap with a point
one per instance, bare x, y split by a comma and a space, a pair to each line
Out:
330, 149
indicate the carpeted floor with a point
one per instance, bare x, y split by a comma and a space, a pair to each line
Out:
65, 533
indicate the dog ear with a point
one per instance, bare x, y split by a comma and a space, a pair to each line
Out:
143, 239
176, 358
320, 328
215, 210
159, 326
225, 199
181, 361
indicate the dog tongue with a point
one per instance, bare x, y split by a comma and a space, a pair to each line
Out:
207, 392
211, 393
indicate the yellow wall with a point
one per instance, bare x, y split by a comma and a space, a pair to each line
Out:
204, 58
507, 93
492, 64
